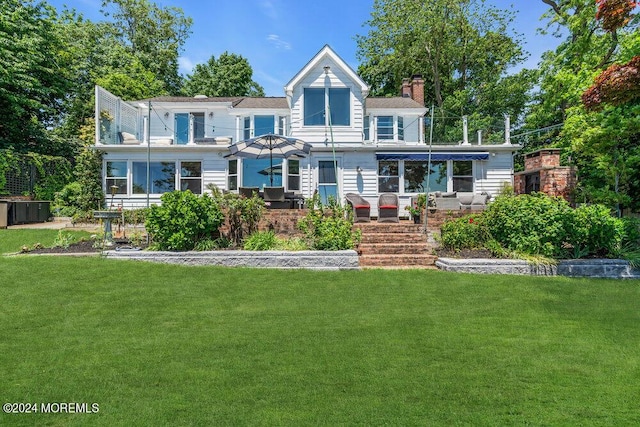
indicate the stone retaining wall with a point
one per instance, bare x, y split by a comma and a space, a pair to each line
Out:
314, 260
600, 268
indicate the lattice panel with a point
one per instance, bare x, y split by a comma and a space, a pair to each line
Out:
108, 109
128, 119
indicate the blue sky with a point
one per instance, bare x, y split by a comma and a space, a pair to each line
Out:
278, 37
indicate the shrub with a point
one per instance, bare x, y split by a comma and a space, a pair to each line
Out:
535, 224
182, 220
135, 216
467, 232
329, 227
631, 227
593, 231
261, 241
64, 200
242, 214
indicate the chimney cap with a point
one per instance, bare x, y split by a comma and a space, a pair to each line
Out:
417, 76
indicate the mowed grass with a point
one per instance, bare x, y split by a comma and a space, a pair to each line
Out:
171, 345
12, 240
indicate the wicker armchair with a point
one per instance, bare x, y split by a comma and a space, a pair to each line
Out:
361, 208
388, 207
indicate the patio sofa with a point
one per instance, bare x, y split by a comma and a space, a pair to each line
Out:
458, 200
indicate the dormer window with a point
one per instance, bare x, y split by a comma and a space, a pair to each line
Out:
315, 102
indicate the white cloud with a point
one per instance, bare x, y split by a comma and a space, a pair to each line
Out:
275, 40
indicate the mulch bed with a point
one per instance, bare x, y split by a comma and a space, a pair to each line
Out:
86, 246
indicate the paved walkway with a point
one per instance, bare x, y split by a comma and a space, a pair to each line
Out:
57, 224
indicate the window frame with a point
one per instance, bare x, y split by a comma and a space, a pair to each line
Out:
145, 192
297, 175
231, 175
387, 136
114, 179
390, 178
456, 179
182, 178
330, 96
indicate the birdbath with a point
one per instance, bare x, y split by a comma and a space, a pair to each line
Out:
107, 216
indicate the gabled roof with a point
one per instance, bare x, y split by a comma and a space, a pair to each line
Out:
326, 52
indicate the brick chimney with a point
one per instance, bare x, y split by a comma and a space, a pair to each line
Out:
405, 90
417, 88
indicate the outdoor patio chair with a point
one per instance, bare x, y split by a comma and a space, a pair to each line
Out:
248, 192
388, 207
274, 194
361, 208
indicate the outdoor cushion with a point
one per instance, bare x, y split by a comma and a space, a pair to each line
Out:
128, 138
388, 207
466, 199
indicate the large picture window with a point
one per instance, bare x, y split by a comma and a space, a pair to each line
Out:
191, 177
117, 175
415, 176
260, 173
162, 177
388, 178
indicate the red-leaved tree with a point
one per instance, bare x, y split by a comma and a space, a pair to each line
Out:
614, 14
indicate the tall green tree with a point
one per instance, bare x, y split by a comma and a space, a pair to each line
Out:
604, 143
32, 77
154, 34
463, 48
229, 75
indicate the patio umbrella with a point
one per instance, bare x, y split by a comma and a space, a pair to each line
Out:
270, 147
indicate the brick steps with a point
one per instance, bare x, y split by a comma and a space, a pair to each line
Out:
394, 245
372, 238
398, 260
394, 248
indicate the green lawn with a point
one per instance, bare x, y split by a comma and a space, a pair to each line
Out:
170, 345
13, 240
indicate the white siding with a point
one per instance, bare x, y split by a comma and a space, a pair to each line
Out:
492, 174
335, 79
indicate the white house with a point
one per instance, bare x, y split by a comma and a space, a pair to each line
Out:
360, 144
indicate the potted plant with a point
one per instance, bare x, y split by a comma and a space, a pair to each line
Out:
416, 207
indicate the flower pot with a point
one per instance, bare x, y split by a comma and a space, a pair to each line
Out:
416, 220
